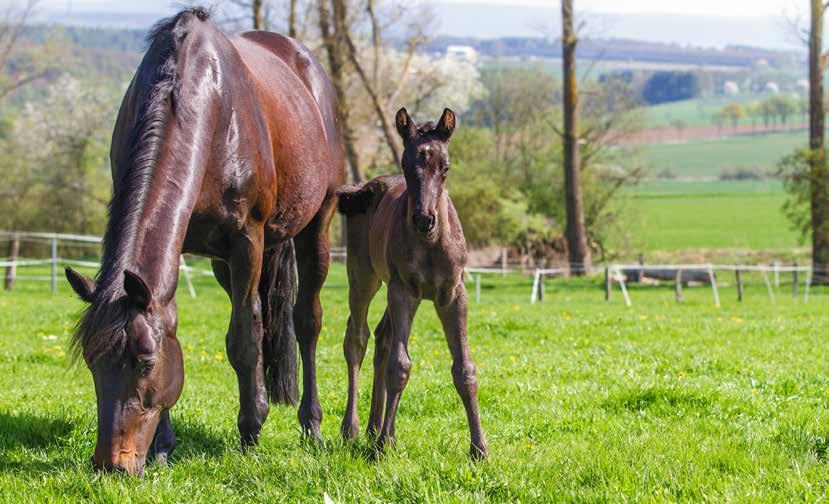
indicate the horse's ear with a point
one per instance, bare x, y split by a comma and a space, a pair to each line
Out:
405, 126
446, 125
137, 290
82, 285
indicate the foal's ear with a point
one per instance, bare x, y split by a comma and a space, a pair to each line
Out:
405, 126
83, 286
137, 290
446, 125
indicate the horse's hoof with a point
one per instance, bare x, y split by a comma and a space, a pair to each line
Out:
478, 453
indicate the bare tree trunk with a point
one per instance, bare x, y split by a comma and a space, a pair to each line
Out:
389, 132
292, 31
333, 43
256, 13
376, 40
818, 172
577, 249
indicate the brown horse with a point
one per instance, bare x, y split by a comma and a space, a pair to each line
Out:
404, 231
226, 148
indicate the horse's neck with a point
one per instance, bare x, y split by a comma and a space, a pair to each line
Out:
148, 238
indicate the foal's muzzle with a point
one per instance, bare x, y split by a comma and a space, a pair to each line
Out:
425, 223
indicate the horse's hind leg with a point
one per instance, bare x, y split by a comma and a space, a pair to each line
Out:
164, 441
382, 340
452, 311
312, 257
240, 278
363, 284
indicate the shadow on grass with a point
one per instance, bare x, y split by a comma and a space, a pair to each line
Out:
26, 436
27, 431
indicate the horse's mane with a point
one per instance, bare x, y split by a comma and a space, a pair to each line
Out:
101, 329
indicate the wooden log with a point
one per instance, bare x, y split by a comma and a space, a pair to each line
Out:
11, 270
740, 287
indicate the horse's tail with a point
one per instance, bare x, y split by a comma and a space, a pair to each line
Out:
277, 287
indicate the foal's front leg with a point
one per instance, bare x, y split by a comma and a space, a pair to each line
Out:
244, 338
402, 306
451, 309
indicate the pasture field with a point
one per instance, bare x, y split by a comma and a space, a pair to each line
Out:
743, 219
709, 158
582, 400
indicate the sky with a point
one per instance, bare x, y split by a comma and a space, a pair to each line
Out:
723, 8
711, 23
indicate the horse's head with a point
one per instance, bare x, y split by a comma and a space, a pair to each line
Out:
425, 165
129, 344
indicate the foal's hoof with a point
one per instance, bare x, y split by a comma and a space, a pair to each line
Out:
478, 453
350, 430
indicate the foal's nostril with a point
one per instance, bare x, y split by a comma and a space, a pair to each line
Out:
425, 223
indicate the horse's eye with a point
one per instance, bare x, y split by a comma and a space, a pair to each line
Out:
145, 366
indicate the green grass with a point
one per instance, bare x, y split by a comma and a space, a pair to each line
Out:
698, 220
710, 158
581, 400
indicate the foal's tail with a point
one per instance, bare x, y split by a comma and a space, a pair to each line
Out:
277, 286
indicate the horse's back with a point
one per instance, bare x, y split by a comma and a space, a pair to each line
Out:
298, 106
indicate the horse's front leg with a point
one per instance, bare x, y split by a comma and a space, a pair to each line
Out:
164, 441
452, 311
402, 305
244, 338
312, 256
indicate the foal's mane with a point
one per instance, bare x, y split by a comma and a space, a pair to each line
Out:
101, 329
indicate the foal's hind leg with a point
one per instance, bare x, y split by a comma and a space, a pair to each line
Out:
382, 340
452, 312
363, 284
240, 278
312, 266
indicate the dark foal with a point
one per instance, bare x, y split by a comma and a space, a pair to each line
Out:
404, 231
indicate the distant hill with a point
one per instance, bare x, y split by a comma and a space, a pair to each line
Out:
625, 50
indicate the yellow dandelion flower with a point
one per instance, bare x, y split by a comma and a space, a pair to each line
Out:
218, 356
332, 394
681, 375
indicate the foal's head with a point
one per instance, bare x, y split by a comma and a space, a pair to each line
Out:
425, 165
128, 341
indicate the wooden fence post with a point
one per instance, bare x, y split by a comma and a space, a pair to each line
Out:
11, 269
54, 264
478, 288
740, 288
795, 281
608, 283
678, 286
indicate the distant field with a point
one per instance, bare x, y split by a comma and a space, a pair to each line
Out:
745, 218
696, 112
709, 158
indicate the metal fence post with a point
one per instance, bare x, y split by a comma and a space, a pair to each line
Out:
478, 288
